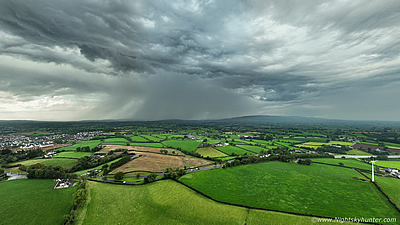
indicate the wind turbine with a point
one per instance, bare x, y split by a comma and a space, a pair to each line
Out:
373, 179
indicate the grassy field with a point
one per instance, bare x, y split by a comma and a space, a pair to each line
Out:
232, 149
152, 138
346, 162
70, 154
357, 152
252, 148
189, 146
391, 186
67, 163
303, 139
115, 141
137, 138
391, 164
341, 143
167, 202
91, 144
33, 202
325, 190
211, 152
156, 145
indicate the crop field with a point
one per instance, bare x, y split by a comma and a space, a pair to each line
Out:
232, 149
277, 144
162, 203
159, 162
391, 164
156, 150
152, 138
303, 139
115, 141
357, 152
263, 142
255, 149
307, 146
67, 163
325, 190
70, 154
346, 162
108, 148
391, 186
189, 146
137, 138
33, 202
155, 145
340, 143
91, 144
211, 152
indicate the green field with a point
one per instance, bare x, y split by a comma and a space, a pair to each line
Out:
252, 148
391, 164
67, 163
115, 141
167, 202
341, 143
303, 139
212, 153
152, 138
91, 144
391, 186
156, 145
357, 152
325, 190
232, 149
189, 146
346, 162
33, 202
137, 138
70, 154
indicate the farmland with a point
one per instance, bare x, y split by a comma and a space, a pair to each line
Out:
346, 162
91, 144
69, 154
159, 162
33, 202
67, 163
391, 164
391, 187
232, 149
115, 141
357, 152
290, 187
210, 152
149, 204
189, 146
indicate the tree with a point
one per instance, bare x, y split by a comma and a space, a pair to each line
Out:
119, 175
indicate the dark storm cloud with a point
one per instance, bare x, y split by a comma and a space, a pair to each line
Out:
251, 53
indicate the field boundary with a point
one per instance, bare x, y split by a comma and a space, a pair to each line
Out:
365, 171
384, 194
258, 208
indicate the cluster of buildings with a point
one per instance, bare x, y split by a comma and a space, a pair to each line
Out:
44, 141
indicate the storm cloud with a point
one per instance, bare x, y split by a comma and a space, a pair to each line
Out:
151, 60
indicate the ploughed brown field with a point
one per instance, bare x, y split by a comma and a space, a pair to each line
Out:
159, 162
366, 146
108, 148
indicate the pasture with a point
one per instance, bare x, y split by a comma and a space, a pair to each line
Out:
66, 163
156, 150
91, 144
152, 138
137, 138
34, 202
252, 148
97, 167
325, 190
210, 152
159, 162
355, 163
391, 186
391, 164
70, 154
115, 141
167, 202
232, 149
155, 145
357, 152
189, 146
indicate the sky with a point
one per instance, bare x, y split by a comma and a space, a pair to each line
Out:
155, 60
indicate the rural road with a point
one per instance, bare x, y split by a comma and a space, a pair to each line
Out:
365, 156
